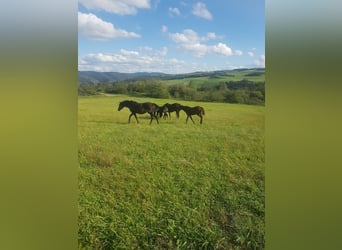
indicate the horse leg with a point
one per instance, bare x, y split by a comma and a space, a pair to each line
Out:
192, 120
177, 113
136, 118
201, 119
129, 118
187, 118
151, 115
156, 118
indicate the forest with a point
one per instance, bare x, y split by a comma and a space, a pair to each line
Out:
242, 91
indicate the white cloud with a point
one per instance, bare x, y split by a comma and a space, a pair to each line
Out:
148, 60
251, 54
92, 27
174, 11
184, 3
146, 48
187, 37
221, 49
211, 35
129, 53
201, 10
163, 51
191, 42
120, 7
133, 61
197, 49
238, 52
164, 29
260, 61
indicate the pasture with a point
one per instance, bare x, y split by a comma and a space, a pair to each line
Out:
170, 185
219, 77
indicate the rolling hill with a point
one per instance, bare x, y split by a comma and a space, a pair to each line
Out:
106, 77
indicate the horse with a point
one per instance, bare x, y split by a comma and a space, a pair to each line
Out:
161, 110
198, 110
175, 107
140, 108
165, 116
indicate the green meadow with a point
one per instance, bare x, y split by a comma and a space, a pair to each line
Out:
170, 185
220, 77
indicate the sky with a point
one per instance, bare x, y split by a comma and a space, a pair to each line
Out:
170, 36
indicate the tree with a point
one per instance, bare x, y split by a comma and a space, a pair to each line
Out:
158, 90
87, 89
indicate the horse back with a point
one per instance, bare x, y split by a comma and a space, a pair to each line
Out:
200, 110
150, 107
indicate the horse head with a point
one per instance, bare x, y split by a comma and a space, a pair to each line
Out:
123, 104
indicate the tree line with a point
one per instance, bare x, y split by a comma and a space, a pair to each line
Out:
243, 91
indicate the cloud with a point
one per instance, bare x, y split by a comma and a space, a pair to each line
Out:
184, 3
120, 7
156, 3
260, 61
238, 52
187, 37
133, 61
129, 53
201, 10
164, 29
189, 41
127, 61
163, 51
251, 54
146, 48
211, 35
92, 27
174, 11
149, 60
221, 49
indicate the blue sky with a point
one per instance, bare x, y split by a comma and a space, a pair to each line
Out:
170, 36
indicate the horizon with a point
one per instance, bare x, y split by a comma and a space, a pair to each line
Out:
175, 37
158, 72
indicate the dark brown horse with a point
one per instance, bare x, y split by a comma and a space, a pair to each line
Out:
175, 107
198, 110
140, 108
162, 111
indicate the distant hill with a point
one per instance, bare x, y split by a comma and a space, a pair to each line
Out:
106, 77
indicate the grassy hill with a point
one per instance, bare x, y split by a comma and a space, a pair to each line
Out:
234, 75
172, 185
215, 77
105, 77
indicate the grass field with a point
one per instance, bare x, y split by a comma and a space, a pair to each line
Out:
172, 185
223, 77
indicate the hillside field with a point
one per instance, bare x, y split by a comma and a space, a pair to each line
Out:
253, 75
170, 185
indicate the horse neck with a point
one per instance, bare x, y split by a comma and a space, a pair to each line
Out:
184, 108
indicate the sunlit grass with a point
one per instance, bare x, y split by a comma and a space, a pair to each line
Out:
170, 185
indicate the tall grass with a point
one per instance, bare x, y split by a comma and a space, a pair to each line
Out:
172, 185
